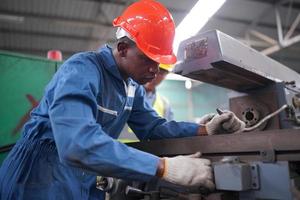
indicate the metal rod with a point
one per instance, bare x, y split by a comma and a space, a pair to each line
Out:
292, 28
263, 37
266, 118
279, 26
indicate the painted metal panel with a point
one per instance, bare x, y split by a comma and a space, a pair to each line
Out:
22, 82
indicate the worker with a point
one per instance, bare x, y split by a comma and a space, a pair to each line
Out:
71, 136
160, 104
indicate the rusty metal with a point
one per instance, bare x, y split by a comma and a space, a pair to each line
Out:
255, 106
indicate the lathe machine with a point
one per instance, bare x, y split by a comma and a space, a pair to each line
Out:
261, 163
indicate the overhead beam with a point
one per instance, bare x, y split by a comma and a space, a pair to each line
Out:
263, 37
35, 51
108, 1
47, 34
285, 3
246, 22
255, 22
293, 27
57, 19
279, 26
279, 46
93, 23
119, 2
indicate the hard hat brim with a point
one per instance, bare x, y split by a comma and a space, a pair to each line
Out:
166, 59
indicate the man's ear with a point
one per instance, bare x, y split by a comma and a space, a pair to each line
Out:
122, 48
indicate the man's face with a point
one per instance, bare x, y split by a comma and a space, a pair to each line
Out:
138, 66
161, 75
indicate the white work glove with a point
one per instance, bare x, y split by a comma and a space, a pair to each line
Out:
205, 118
226, 122
189, 171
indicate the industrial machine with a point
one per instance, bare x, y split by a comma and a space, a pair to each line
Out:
261, 163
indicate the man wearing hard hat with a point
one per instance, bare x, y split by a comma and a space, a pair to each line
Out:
71, 135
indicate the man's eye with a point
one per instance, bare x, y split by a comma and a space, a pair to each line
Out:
144, 59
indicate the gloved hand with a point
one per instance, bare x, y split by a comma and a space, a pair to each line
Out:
234, 125
205, 118
226, 122
189, 171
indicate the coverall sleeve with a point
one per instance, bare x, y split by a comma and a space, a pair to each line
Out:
146, 123
80, 140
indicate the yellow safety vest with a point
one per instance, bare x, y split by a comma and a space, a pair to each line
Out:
159, 105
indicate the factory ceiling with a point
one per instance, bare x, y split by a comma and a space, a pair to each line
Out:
36, 26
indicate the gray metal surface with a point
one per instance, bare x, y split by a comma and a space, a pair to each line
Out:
219, 59
271, 180
261, 169
233, 176
275, 182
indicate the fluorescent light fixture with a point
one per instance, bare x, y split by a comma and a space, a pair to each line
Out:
195, 20
11, 18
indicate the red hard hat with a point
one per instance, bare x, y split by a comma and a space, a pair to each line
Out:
152, 28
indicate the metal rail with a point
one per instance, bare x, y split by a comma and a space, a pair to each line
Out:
284, 144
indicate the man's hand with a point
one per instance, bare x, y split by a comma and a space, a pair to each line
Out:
205, 118
227, 122
188, 171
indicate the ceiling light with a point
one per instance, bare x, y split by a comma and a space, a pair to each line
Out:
195, 20
188, 84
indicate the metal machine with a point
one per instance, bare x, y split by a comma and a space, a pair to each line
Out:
262, 163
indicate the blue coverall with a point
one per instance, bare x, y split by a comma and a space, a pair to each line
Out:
70, 137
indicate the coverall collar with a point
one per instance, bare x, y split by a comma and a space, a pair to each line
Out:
110, 64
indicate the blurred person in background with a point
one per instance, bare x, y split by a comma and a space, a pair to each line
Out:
160, 103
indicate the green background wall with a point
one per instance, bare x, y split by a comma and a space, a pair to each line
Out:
22, 82
187, 105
